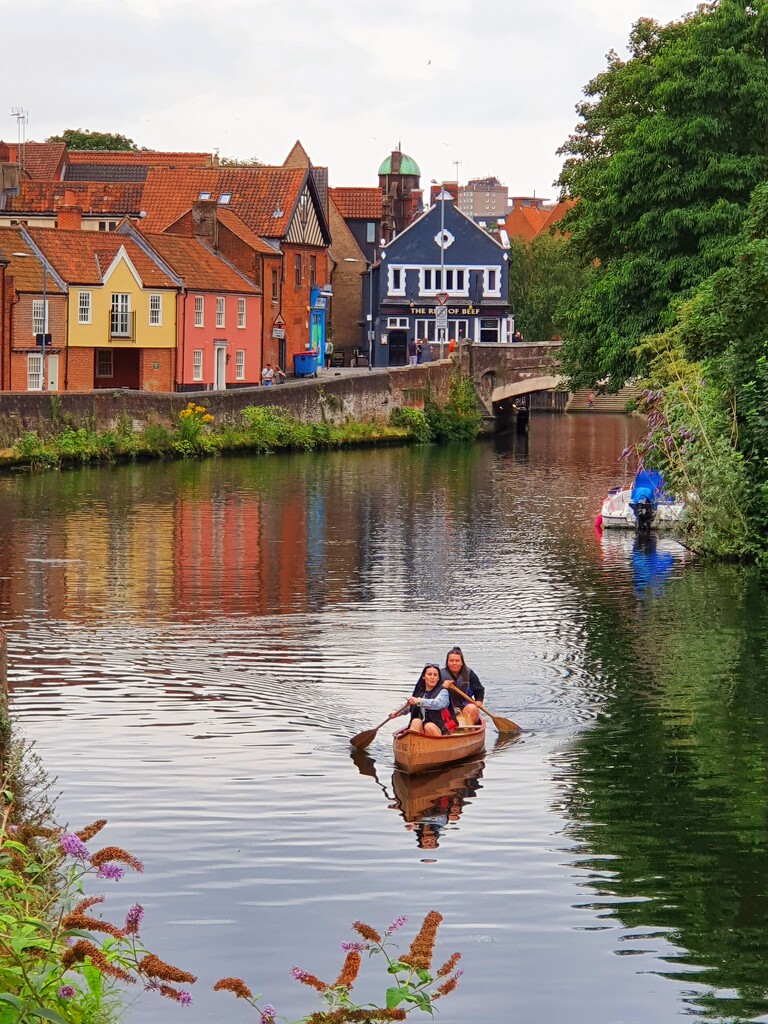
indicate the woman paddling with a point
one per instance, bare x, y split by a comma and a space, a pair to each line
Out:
458, 673
430, 706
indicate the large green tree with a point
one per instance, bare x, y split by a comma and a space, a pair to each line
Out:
544, 277
670, 144
82, 138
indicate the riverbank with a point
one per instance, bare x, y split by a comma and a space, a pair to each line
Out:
254, 430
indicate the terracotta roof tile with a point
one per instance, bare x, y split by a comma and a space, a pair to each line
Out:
262, 197
243, 232
525, 222
198, 265
358, 203
43, 161
557, 213
27, 271
82, 257
142, 157
114, 198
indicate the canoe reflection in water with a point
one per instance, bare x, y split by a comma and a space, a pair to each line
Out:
429, 802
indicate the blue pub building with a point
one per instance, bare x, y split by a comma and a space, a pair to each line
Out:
443, 278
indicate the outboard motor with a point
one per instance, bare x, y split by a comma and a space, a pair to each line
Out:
644, 497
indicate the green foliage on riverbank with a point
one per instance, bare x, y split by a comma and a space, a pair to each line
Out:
63, 962
261, 430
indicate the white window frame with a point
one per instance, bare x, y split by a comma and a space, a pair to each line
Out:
225, 199
396, 280
120, 315
156, 314
240, 364
425, 329
104, 362
35, 370
199, 311
241, 313
197, 364
487, 290
430, 281
398, 323
490, 320
370, 231
41, 317
84, 307
220, 307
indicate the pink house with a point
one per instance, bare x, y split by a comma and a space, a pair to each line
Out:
219, 316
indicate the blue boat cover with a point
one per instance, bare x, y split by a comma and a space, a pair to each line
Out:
648, 485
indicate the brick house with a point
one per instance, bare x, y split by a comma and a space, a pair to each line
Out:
120, 319
219, 314
282, 207
27, 313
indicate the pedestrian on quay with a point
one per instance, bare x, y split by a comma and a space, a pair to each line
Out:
267, 375
413, 351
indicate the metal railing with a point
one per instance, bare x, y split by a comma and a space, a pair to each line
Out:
122, 325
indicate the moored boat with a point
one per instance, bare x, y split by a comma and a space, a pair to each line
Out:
643, 505
415, 752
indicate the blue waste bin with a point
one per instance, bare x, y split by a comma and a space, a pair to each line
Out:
305, 364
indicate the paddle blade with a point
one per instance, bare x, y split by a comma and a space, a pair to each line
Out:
363, 739
505, 726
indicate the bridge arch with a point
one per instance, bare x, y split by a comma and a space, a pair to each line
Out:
526, 387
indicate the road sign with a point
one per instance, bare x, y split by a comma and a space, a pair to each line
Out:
278, 321
441, 316
442, 298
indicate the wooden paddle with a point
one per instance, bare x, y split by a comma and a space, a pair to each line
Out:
363, 739
504, 725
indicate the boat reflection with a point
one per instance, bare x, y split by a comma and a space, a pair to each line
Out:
652, 558
431, 802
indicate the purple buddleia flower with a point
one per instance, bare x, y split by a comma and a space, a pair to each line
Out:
353, 947
133, 919
298, 974
268, 1015
185, 998
397, 923
112, 871
73, 846
66, 992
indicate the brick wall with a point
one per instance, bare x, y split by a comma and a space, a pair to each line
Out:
347, 303
356, 396
156, 369
79, 369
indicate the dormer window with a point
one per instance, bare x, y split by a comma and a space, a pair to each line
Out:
225, 198
204, 195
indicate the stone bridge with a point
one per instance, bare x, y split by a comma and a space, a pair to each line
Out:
501, 373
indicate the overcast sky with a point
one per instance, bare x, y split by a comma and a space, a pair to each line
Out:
492, 84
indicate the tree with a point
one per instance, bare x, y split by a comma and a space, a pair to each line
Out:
82, 138
670, 146
544, 277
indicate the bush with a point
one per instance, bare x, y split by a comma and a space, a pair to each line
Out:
414, 421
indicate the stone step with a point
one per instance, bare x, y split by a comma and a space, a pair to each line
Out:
579, 400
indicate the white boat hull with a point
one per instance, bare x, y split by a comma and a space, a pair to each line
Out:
616, 512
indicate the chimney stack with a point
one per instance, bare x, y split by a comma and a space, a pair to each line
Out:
69, 216
205, 222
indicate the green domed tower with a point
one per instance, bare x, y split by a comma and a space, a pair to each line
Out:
399, 180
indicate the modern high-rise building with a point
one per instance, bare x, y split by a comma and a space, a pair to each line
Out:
484, 197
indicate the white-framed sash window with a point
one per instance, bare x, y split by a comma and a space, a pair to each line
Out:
489, 331
240, 364
454, 281
155, 310
492, 282
197, 364
241, 313
425, 329
120, 316
199, 322
35, 370
220, 311
104, 363
397, 323
396, 280
83, 307
40, 316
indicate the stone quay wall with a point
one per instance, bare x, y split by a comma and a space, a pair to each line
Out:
351, 395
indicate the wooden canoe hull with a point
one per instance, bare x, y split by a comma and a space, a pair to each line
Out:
416, 753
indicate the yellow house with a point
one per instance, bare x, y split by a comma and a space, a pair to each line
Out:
121, 311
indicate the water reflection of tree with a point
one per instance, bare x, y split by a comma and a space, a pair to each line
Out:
671, 784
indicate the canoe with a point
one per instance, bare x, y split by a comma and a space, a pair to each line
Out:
415, 752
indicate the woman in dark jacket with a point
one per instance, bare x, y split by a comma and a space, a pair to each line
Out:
458, 673
430, 706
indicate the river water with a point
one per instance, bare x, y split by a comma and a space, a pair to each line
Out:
192, 646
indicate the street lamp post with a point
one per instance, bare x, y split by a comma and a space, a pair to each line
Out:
441, 196
28, 255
